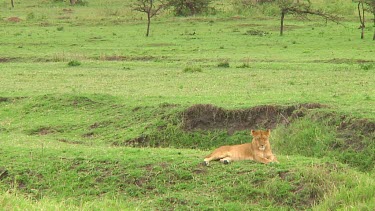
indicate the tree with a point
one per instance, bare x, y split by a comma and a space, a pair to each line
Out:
365, 5
12, 3
151, 8
371, 6
301, 9
361, 14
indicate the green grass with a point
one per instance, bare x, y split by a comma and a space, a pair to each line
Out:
80, 85
168, 178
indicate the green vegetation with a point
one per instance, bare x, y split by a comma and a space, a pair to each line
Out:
95, 115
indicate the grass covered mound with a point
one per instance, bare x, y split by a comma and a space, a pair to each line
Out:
173, 179
82, 157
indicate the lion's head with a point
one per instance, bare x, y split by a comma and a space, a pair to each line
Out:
261, 138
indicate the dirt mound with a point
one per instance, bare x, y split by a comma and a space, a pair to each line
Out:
210, 117
354, 132
14, 19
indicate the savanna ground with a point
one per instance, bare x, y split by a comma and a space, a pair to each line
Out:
94, 115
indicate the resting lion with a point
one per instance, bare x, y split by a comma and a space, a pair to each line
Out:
259, 150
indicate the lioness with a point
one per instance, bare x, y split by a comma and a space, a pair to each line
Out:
259, 150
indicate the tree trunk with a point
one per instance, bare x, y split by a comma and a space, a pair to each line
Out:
361, 19
12, 2
148, 24
282, 23
73, 2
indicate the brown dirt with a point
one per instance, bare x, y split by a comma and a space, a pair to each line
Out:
136, 142
353, 132
127, 58
69, 141
5, 59
89, 135
3, 173
14, 19
209, 117
67, 10
45, 131
4, 99
344, 61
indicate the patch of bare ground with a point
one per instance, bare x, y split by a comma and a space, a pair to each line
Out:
69, 141
42, 131
14, 19
4, 99
67, 10
6, 59
3, 173
135, 142
353, 133
344, 61
210, 117
126, 58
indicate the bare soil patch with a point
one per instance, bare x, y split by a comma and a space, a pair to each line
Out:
45, 131
209, 117
69, 141
3, 173
354, 132
126, 58
344, 61
6, 59
4, 99
14, 19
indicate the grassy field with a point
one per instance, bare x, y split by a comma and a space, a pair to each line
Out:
93, 114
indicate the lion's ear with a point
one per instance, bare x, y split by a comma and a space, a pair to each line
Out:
268, 132
254, 133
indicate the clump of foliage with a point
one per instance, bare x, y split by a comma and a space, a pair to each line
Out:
190, 7
367, 66
192, 69
224, 64
74, 63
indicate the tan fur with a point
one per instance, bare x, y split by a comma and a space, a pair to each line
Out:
259, 150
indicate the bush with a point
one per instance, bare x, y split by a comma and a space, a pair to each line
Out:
258, 7
76, 2
192, 69
224, 64
74, 63
190, 7
367, 66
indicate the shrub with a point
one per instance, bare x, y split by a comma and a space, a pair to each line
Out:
190, 7
259, 7
367, 66
224, 64
192, 69
74, 63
